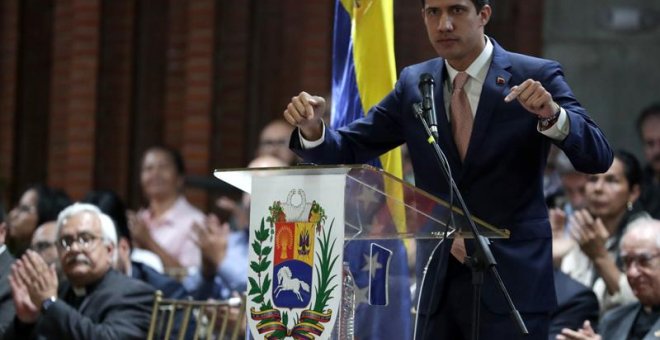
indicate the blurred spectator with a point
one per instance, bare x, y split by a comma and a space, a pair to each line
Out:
95, 303
38, 205
44, 243
572, 198
225, 252
112, 205
573, 184
648, 125
165, 227
640, 251
239, 212
610, 207
551, 181
274, 141
6, 304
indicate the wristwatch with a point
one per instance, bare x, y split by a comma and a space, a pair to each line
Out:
47, 303
546, 123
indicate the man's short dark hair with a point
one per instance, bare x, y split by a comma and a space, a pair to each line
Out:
478, 4
50, 202
112, 205
652, 110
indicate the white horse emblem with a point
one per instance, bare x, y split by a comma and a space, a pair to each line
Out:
285, 281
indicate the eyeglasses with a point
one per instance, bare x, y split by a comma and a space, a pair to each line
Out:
644, 260
42, 246
84, 240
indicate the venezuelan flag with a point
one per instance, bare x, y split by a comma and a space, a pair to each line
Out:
364, 72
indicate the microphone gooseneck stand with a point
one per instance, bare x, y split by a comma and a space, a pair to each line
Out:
482, 259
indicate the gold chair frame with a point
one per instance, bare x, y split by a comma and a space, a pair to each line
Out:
166, 312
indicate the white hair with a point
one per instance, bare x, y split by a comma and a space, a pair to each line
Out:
107, 225
645, 225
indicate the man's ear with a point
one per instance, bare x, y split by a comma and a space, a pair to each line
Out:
112, 250
123, 246
485, 14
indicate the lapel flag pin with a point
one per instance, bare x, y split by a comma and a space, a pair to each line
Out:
500, 81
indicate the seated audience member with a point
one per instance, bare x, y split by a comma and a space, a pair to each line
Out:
165, 227
640, 252
112, 205
6, 304
274, 141
224, 261
225, 252
575, 303
610, 207
572, 198
96, 302
38, 204
44, 243
648, 126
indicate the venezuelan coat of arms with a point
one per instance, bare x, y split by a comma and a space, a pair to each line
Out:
294, 287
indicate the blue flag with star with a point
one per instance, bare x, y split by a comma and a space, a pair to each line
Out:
379, 266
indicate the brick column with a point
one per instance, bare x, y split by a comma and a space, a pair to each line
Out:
74, 89
198, 92
115, 97
175, 89
8, 76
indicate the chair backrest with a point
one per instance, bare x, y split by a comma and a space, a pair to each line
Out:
190, 319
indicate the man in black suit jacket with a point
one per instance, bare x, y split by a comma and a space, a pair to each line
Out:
640, 253
6, 305
96, 303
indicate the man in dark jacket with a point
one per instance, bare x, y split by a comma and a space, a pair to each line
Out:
96, 303
6, 306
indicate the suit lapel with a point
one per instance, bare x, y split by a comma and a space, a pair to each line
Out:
497, 80
626, 323
654, 332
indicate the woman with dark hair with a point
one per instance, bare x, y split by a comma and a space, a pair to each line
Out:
611, 205
165, 226
38, 204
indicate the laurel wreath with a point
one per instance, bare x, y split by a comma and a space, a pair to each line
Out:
323, 270
259, 288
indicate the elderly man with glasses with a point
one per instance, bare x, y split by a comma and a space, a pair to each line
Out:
640, 254
96, 302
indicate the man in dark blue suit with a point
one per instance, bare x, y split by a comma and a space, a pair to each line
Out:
519, 106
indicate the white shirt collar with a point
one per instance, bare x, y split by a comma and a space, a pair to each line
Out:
3, 248
479, 67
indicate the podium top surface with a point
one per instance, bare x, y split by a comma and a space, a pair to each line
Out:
416, 213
